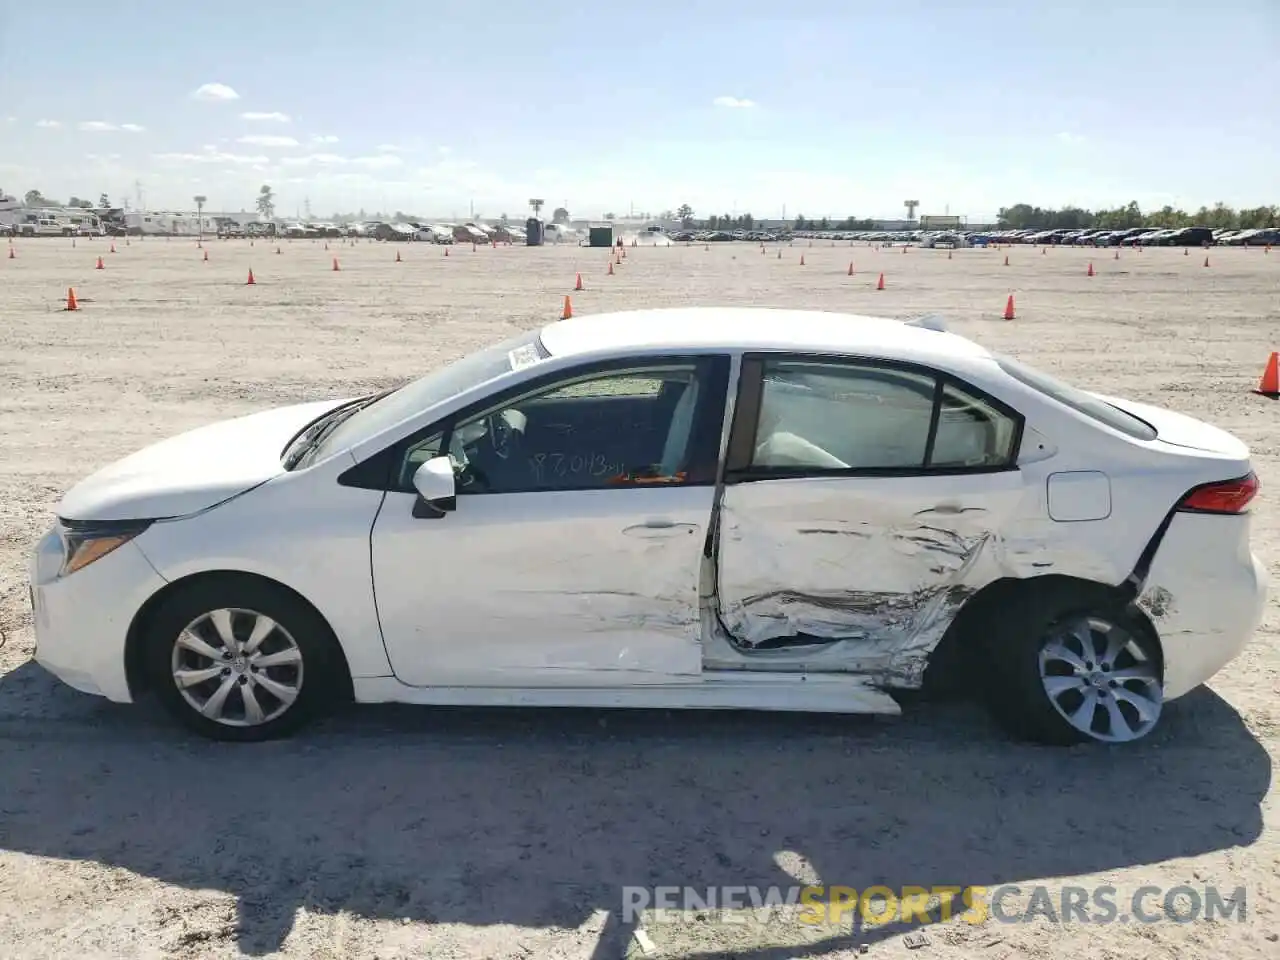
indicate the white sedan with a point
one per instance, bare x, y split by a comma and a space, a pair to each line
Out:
704, 508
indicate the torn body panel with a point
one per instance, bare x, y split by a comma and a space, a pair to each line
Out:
874, 570
866, 574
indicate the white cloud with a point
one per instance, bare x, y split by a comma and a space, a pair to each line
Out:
1072, 139
49, 124
276, 117
214, 92
733, 103
268, 141
387, 148
323, 159
102, 126
10, 119
211, 156
328, 138
382, 162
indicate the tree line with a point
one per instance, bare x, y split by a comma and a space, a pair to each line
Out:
1219, 216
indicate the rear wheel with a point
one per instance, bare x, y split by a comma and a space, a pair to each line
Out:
238, 659
1074, 664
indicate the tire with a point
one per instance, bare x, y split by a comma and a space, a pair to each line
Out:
1043, 640
305, 660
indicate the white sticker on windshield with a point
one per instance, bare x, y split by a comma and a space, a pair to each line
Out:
522, 357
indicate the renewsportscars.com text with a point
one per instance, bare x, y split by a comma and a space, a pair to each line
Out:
877, 905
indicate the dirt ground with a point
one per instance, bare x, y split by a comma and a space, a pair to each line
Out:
398, 832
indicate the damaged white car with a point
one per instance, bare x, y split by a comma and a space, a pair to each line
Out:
703, 508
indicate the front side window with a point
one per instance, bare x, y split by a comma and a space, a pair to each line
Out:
832, 417
603, 431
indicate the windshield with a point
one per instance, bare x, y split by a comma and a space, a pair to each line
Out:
436, 387
1078, 400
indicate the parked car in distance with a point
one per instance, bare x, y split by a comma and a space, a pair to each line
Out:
554, 521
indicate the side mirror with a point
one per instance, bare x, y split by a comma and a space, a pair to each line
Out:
437, 491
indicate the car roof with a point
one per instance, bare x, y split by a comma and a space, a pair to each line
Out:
765, 329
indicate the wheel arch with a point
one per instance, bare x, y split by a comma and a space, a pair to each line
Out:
135, 670
948, 664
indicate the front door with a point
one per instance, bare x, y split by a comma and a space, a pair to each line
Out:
573, 555
863, 504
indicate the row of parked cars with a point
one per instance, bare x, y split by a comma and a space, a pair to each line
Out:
1140, 237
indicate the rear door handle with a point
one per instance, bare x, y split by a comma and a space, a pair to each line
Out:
660, 528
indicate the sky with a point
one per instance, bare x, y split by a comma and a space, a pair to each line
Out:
753, 106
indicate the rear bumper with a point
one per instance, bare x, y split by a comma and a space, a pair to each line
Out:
1205, 594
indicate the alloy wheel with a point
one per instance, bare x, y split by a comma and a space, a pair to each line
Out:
1101, 679
237, 667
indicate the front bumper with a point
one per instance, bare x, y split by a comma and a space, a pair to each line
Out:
82, 620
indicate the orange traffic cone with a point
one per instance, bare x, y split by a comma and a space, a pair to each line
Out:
101, 265
1206, 261
398, 257
948, 254
206, 255
113, 248
779, 253
1186, 251
802, 259
1006, 260
610, 270
578, 283
851, 268
904, 248
1269, 386
12, 255
336, 268
71, 299
473, 246
1043, 251
326, 244
568, 309
1008, 308
880, 282
446, 251
624, 252
1089, 272
1117, 256
250, 280
277, 251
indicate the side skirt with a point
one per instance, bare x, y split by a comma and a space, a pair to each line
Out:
730, 690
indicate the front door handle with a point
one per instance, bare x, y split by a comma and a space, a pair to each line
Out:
660, 528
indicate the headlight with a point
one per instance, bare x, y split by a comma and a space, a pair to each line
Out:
83, 542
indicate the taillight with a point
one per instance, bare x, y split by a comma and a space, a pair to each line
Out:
1225, 496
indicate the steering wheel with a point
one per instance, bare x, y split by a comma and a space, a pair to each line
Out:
501, 435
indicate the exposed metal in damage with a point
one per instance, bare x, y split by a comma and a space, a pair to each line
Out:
1156, 601
926, 567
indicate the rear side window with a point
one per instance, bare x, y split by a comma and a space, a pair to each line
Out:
1078, 400
820, 416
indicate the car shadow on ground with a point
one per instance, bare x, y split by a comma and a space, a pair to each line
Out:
539, 818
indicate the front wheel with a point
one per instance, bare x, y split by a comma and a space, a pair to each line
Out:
1074, 665
240, 660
